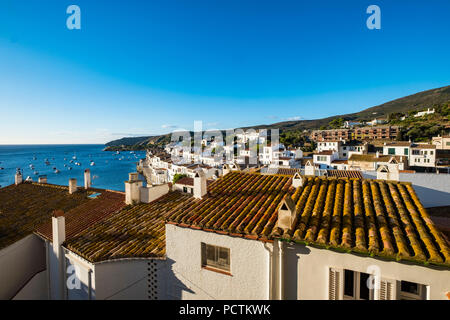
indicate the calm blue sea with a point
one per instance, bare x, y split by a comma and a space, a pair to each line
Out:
109, 172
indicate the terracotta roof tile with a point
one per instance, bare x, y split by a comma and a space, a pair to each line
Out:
27, 205
134, 232
86, 214
372, 217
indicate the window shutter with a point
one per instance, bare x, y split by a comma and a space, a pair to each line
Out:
335, 284
388, 289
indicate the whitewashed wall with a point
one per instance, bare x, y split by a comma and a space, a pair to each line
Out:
19, 262
186, 279
35, 289
432, 189
307, 272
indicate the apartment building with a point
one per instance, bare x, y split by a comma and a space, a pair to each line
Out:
364, 133
441, 143
423, 155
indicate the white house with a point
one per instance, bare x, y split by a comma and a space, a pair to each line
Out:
424, 113
423, 155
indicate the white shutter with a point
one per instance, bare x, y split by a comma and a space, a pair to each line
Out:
335, 283
388, 289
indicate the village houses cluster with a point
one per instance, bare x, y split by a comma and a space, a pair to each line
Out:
293, 225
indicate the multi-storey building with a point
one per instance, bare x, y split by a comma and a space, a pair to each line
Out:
364, 133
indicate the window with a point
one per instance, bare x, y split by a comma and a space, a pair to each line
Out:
355, 286
391, 150
412, 291
215, 257
406, 151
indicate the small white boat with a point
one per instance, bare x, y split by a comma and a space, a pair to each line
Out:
71, 161
70, 168
36, 173
74, 157
92, 163
57, 171
29, 179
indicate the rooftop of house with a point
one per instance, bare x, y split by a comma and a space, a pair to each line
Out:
324, 153
371, 217
423, 146
345, 174
25, 206
280, 171
372, 157
398, 144
134, 232
188, 181
86, 214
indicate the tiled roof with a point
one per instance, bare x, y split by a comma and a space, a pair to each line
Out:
134, 232
188, 181
345, 174
280, 171
86, 214
371, 217
372, 158
27, 205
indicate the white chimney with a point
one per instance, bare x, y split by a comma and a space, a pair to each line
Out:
310, 170
42, 179
200, 188
132, 189
72, 186
377, 154
58, 238
225, 169
18, 178
287, 217
297, 180
388, 173
87, 179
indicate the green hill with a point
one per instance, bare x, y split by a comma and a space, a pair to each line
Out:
415, 102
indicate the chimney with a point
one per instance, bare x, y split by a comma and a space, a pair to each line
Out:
87, 179
388, 173
377, 154
310, 170
225, 169
72, 186
287, 217
297, 180
18, 178
58, 238
132, 189
200, 188
42, 179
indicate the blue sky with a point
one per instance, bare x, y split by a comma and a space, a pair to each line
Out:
147, 67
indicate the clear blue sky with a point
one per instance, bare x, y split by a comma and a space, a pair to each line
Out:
145, 67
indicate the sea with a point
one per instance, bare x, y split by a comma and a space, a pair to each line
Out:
109, 170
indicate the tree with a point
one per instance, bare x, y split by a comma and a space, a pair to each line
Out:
177, 177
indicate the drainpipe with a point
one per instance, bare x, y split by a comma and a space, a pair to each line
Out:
270, 271
281, 270
47, 262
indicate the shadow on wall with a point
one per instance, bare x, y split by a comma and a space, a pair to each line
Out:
432, 198
292, 256
174, 287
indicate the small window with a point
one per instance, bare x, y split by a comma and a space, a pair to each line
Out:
412, 291
215, 257
356, 286
406, 151
391, 151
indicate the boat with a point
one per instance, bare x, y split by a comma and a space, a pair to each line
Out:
74, 157
70, 168
2, 168
34, 158
47, 162
57, 171
36, 173
92, 163
71, 161
29, 179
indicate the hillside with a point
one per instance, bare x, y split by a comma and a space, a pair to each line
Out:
415, 102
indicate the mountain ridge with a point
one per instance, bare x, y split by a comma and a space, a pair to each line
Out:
414, 102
